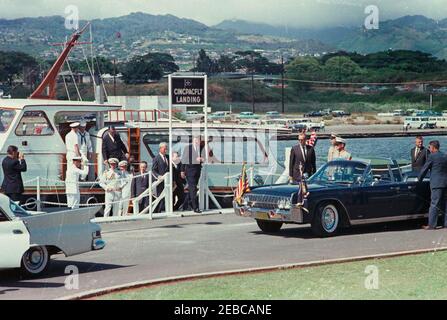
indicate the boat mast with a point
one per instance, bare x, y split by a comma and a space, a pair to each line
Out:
50, 79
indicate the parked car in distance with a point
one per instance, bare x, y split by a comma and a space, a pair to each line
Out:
273, 115
314, 114
194, 116
247, 115
341, 194
340, 113
420, 123
29, 240
220, 116
298, 127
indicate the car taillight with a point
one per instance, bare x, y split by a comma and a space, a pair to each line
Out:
96, 234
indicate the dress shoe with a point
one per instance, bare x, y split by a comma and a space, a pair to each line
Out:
197, 211
428, 228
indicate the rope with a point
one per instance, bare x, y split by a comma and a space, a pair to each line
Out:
74, 80
93, 204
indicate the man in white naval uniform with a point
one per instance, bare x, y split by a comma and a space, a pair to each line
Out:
111, 183
75, 170
126, 186
72, 143
85, 146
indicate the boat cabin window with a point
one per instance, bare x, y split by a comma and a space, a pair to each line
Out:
34, 123
228, 150
6, 117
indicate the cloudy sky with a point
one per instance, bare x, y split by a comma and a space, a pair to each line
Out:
300, 13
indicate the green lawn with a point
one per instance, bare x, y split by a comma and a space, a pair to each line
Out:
410, 277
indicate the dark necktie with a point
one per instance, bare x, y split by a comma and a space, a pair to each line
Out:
83, 141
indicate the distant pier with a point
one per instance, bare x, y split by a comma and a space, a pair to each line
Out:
371, 131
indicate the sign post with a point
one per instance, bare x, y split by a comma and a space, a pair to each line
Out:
189, 90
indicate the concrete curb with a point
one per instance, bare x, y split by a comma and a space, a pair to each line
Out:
168, 280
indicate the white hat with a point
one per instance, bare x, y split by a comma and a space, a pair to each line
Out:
340, 140
122, 163
75, 125
333, 136
77, 158
113, 160
83, 123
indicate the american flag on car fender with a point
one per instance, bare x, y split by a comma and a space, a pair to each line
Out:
242, 187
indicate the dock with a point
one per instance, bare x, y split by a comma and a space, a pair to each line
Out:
370, 131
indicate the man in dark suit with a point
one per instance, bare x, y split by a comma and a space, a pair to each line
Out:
179, 182
160, 166
191, 171
113, 146
437, 165
13, 166
419, 155
303, 155
140, 184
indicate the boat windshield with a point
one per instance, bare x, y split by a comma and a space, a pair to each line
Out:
6, 118
343, 172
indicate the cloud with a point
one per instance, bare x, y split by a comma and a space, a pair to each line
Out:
301, 13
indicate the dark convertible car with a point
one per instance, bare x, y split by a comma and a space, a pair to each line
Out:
341, 194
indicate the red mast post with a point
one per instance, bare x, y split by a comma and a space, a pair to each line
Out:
50, 79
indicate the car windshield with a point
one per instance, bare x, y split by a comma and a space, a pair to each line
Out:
343, 172
17, 210
6, 118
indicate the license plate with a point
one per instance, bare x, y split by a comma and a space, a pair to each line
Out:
262, 216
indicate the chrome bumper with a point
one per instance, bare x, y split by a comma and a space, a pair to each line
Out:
294, 215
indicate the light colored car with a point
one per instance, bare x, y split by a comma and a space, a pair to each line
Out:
220, 116
247, 116
28, 240
194, 116
273, 115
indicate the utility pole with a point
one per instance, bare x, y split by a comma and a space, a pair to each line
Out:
282, 85
114, 77
252, 83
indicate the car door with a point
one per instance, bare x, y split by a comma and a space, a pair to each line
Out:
378, 196
15, 241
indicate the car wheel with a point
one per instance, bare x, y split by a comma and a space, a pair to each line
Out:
269, 226
35, 261
326, 220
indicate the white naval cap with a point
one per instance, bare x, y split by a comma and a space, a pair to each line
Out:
75, 125
83, 123
340, 140
123, 163
113, 160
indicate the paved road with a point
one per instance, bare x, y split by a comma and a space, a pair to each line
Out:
146, 250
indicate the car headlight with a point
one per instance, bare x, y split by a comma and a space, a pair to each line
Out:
288, 205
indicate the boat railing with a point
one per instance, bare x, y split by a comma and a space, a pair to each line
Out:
154, 200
